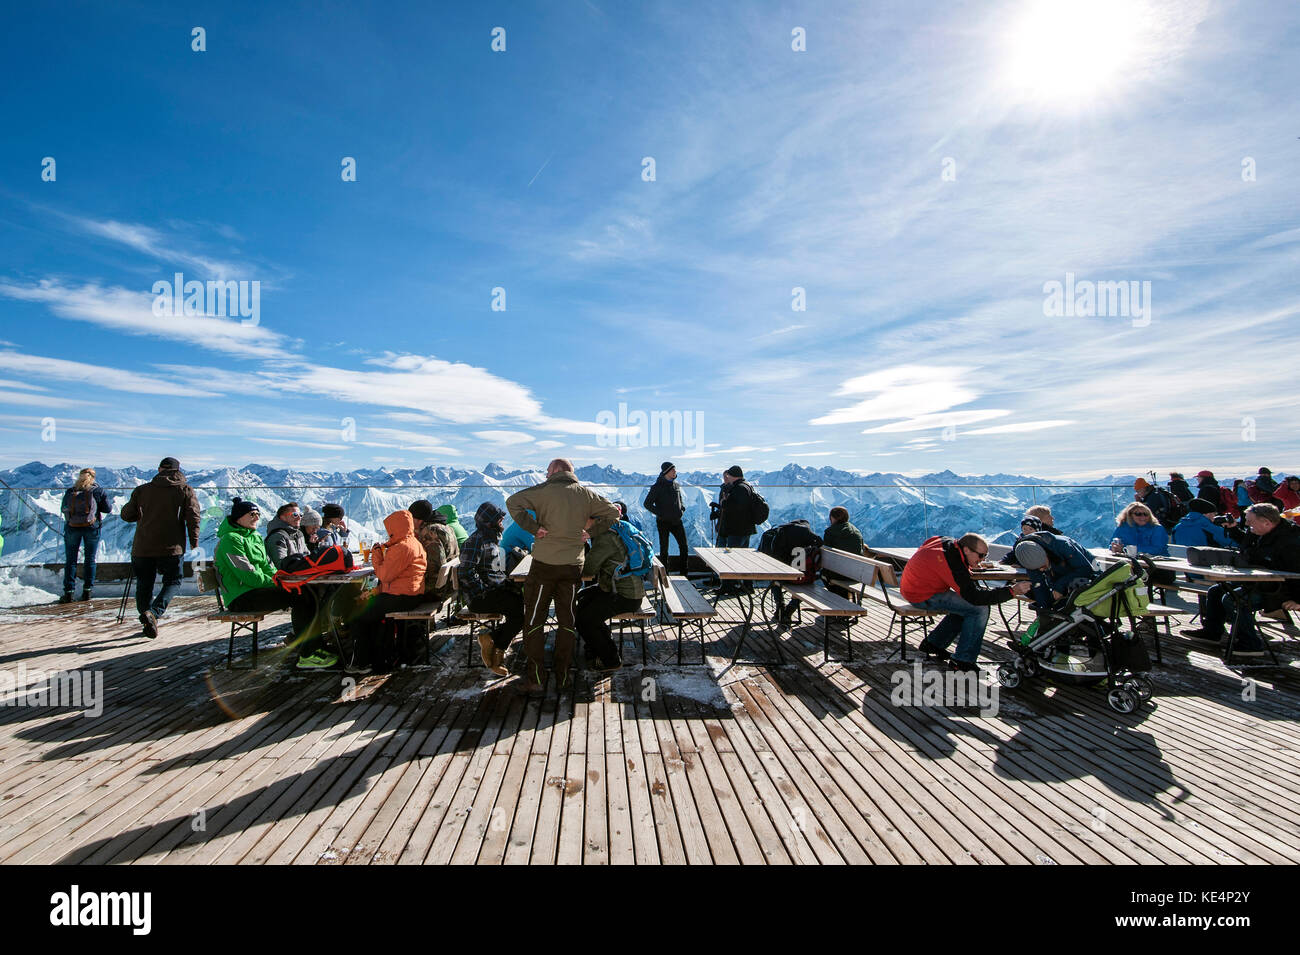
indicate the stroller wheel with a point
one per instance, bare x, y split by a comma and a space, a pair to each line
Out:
1009, 676
1122, 699
1142, 686
1030, 666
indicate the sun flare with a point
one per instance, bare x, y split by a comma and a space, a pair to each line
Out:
1072, 50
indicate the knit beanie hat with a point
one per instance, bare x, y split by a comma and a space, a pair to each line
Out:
421, 510
240, 508
734, 471
1032, 522
310, 518
1140, 483
331, 510
169, 464
666, 467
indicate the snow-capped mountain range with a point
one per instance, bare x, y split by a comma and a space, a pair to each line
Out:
890, 509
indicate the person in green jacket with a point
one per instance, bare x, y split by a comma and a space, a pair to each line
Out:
247, 583
608, 595
842, 536
453, 522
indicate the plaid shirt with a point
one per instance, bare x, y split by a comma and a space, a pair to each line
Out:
482, 565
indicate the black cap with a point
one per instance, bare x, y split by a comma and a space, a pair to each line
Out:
622, 508
734, 471
1201, 506
331, 510
1265, 471
240, 507
421, 510
666, 467
169, 464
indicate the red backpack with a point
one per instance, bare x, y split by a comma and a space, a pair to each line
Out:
303, 568
1228, 501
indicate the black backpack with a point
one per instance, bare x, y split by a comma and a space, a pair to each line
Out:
1167, 508
758, 509
82, 509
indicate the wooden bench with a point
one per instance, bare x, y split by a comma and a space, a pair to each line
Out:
640, 616
683, 602
852, 569
476, 621
887, 578
427, 613
210, 581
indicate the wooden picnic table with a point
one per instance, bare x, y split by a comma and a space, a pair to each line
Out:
520, 573
743, 564
317, 588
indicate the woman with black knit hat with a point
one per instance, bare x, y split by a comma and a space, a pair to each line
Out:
248, 585
665, 502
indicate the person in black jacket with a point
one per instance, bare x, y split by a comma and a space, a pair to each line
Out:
1207, 488
84, 506
1273, 544
734, 512
1179, 489
664, 500
735, 509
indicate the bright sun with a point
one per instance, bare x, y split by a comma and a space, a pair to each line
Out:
1072, 50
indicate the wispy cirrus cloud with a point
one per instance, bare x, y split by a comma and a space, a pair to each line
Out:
154, 243
115, 379
131, 312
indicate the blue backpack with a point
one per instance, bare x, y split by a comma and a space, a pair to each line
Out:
640, 555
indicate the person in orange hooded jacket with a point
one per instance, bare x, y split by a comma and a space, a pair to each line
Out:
399, 564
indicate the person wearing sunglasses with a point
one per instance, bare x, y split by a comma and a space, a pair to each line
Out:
284, 537
938, 577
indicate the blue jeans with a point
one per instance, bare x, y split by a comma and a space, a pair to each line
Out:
146, 569
962, 618
73, 540
734, 540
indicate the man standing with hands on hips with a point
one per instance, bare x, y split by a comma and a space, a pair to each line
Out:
566, 511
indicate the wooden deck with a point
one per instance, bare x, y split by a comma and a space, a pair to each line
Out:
190, 763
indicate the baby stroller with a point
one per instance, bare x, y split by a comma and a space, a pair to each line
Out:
1079, 640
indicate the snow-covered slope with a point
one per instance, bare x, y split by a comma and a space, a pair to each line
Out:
888, 508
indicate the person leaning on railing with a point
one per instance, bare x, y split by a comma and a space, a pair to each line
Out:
84, 506
1271, 543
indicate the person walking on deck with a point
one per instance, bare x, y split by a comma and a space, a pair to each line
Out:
568, 515
165, 511
83, 508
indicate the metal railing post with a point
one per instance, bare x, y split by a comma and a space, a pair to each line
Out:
925, 512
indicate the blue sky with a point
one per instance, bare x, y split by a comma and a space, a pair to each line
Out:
922, 172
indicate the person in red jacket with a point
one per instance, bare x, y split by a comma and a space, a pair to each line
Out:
938, 578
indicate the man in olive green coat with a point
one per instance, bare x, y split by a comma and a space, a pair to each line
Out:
566, 511
609, 595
